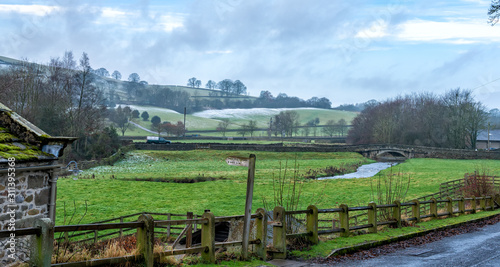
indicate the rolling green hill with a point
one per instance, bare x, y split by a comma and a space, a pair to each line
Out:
209, 119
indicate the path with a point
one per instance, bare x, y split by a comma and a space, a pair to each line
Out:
478, 248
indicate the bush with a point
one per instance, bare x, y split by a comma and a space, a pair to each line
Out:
479, 184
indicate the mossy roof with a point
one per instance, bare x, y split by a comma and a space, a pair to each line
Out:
12, 147
26, 141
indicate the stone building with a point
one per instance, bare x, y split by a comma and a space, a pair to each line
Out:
491, 141
28, 167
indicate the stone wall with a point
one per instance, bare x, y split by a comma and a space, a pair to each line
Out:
416, 151
29, 201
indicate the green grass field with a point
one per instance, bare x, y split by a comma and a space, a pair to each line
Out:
209, 120
107, 197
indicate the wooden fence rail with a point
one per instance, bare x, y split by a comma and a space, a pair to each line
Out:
42, 245
43, 231
344, 229
96, 234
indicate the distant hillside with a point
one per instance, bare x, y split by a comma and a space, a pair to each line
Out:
192, 99
209, 119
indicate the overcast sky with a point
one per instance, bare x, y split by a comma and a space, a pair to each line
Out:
348, 51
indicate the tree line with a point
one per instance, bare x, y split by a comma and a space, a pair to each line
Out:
452, 120
63, 98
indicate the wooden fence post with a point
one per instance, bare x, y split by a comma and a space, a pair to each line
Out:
169, 217
189, 233
145, 239
96, 234
279, 233
489, 202
473, 204
312, 224
121, 229
396, 213
449, 206
42, 246
482, 204
261, 233
461, 206
415, 208
344, 220
372, 217
433, 208
208, 238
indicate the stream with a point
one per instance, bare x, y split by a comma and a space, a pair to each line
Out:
364, 171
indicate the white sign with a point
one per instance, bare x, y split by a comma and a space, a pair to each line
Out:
237, 161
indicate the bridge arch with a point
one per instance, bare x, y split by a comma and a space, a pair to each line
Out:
393, 153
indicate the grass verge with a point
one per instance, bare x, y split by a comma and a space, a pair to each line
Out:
354, 243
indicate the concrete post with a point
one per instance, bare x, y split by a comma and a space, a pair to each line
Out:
312, 224
208, 238
344, 220
433, 208
42, 245
396, 213
145, 239
372, 217
415, 210
449, 206
261, 224
279, 233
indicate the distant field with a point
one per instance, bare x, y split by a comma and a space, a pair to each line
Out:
209, 120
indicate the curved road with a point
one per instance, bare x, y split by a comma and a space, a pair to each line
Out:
478, 248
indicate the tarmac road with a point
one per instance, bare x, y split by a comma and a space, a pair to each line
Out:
478, 248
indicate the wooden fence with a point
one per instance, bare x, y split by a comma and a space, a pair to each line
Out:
42, 245
446, 189
95, 235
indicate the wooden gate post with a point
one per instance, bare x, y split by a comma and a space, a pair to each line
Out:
344, 220
482, 203
145, 239
312, 224
473, 204
169, 217
279, 233
248, 207
42, 246
208, 238
261, 233
449, 206
433, 208
372, 217
189, 233
461, 206
396, 213
415, 210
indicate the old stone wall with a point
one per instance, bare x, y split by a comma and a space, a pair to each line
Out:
416, 151
21, 205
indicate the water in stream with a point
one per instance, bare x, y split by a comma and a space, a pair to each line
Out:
364, 171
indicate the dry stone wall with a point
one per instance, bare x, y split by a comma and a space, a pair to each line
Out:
20, 206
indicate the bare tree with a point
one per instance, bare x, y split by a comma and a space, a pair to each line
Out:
239, 88
134, 78
192, 82
211, 84
197, 84
116, 75
222, 126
